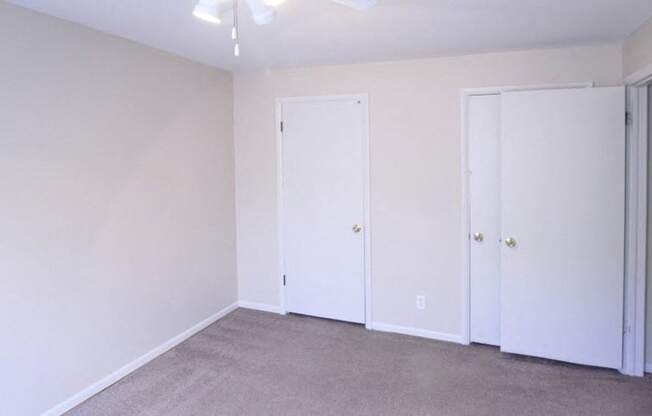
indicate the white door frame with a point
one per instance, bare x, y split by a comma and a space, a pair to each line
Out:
635, 235
636, 257
364, 101
634, 339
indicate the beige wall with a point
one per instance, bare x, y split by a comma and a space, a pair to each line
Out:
415, 167
117, 221
117, 215
637, 50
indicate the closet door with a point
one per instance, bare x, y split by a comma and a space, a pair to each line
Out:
484, 214
563, 196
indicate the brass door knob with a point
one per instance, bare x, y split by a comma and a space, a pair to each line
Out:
479, 237
510, 242
357, 228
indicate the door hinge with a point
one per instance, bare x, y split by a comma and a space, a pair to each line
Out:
282, 127
628, 118
284, 282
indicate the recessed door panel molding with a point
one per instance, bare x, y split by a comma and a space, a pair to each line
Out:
563, 215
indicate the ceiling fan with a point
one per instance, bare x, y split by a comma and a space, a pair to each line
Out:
262, 11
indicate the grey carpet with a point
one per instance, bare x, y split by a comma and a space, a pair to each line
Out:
254, 363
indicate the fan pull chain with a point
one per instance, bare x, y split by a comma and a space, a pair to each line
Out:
235, 33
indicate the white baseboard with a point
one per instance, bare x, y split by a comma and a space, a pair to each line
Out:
648, 368
100, 385
261, 307
416, 332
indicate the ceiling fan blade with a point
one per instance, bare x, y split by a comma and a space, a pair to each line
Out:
261, 12
358, 4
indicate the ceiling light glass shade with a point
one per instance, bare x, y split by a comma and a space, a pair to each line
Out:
208, 10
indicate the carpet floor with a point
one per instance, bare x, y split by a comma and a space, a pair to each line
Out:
255, 363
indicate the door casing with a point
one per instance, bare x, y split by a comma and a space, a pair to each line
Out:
364, 101
637, 219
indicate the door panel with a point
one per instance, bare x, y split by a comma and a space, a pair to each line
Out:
563, 176
484, 201
323, 198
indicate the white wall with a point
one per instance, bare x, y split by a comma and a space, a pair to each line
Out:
415, 167
117, 214
637, 50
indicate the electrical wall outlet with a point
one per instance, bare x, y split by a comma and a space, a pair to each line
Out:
421, 302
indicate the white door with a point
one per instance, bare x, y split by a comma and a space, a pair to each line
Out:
323, 208
563, 196
484, 210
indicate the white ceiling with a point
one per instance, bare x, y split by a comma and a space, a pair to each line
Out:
310, 32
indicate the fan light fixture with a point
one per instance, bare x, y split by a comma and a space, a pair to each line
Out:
262, 11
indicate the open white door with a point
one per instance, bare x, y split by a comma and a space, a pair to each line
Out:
323, 213
563, 200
